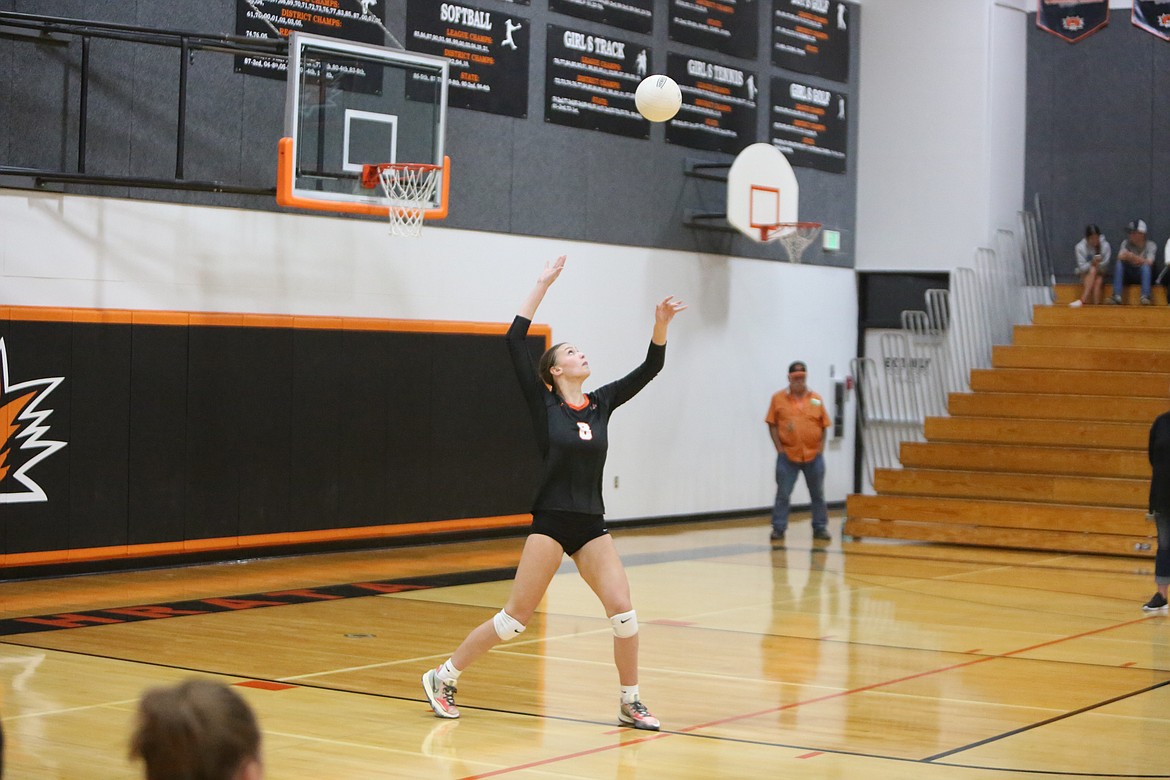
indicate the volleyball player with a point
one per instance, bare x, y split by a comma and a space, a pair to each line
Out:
571, 429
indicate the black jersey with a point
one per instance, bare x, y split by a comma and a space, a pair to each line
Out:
1159, 450
573, 442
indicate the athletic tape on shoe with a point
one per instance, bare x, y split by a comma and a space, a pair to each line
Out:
507, 626
625, 624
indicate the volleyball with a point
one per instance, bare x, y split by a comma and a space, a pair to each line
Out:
658, 98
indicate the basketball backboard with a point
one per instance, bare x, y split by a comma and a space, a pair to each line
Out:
349, 105
762, 191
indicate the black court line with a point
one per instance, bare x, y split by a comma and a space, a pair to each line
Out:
1038, 724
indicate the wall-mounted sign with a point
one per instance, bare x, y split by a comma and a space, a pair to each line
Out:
727, 27
636, 15
811, 36
590, 81
488, 49
1072, 21
719, 107
809, 125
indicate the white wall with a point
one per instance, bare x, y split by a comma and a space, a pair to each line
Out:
694, 441
941, 130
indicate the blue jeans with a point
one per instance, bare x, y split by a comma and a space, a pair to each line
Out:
814, 477
1162, 556
1124, 273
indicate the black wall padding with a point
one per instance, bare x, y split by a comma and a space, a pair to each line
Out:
181, 433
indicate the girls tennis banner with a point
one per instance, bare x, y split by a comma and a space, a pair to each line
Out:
1153, 16
1072, 21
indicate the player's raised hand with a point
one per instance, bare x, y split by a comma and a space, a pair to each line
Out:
664, 312
552, 269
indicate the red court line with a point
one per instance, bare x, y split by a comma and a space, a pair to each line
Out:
565, 757
816, 700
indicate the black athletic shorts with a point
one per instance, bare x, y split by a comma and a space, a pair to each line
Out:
571, 530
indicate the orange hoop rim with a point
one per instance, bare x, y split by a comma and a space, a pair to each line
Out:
371, 173
779, 229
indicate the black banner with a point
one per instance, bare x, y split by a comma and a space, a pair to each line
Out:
727, 26
1072, 21
326, 17
811, 36
719, 105
636, 15
590, 80
809, 125
121, 433
488, 51
1153, 16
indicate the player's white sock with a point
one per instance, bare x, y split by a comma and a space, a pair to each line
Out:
629, 693
448, 671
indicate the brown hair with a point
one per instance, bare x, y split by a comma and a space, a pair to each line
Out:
196, 730
547, 361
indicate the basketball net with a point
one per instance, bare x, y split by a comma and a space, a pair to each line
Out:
794, 236
410, 187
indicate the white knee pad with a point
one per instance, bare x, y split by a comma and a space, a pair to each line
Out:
625, 624
507, 626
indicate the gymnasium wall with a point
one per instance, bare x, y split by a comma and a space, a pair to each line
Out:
522, 176
1098, 127
692, 443
941, 133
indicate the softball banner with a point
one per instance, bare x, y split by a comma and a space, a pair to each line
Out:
1072, 21
1153, 16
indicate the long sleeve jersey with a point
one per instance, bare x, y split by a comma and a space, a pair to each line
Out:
573, 442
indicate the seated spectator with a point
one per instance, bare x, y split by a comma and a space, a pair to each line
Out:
1135, 261
196, 730
1092, 255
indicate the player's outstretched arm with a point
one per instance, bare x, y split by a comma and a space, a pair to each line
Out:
552, 269
663, 313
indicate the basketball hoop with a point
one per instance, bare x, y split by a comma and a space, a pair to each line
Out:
409, 186
795, 236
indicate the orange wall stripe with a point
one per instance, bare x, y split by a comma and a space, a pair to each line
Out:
263, 540
249, 320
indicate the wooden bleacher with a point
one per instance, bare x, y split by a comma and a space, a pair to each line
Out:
1048, 451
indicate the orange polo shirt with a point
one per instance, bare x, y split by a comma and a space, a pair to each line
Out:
800, 423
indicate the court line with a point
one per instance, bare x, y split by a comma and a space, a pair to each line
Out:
687, 730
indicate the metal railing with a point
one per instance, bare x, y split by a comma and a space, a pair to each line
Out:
937, 348
35, 30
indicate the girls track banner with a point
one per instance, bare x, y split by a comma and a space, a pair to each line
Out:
1153, 16
1072, 21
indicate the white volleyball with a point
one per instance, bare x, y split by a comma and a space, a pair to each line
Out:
658, 98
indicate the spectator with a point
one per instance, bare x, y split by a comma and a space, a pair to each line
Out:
1159, 508
196, 730
1135, 262
1092, 256
797, 420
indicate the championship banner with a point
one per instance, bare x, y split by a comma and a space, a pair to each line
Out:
1153, 16
719, 106
350, 20
727, 27
635, 15
488, 50
811, 36
809, 125
590, 80
1073, 20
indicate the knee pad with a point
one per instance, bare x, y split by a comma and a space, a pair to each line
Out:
625, 624
507, 627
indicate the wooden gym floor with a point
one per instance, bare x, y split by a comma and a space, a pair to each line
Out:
858, 660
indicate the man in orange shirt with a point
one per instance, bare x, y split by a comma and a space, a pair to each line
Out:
797, 420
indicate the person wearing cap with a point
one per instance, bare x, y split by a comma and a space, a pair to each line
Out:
1135, 261
797, 420
1092, 255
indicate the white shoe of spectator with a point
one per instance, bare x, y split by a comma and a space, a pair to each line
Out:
1076, 303
1145, 301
